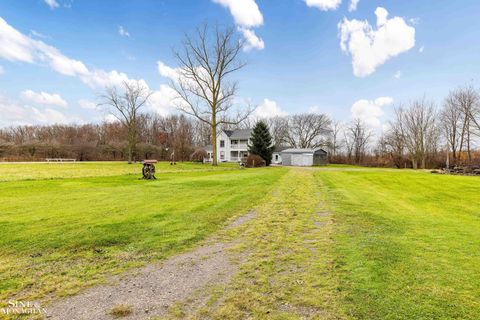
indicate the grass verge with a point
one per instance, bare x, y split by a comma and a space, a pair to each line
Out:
61, 235
406, 243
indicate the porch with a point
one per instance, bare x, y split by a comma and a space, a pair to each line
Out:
238, 156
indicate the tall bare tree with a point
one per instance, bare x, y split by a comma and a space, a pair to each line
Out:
358, 138
278, 127
394, 144
465, 100
417, 126
125, 104
308, 130
204, 88
453, 120
334, 141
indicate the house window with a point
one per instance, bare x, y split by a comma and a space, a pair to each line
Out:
276, 157
222, 143
222, 155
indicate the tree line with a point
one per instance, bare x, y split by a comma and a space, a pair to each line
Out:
421, 134
155, 137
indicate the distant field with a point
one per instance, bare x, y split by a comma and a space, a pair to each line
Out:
60, 235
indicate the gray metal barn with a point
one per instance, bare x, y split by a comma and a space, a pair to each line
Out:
304, 157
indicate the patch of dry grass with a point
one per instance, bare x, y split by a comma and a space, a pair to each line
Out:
121, 310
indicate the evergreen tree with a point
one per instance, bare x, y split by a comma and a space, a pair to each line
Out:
261, 142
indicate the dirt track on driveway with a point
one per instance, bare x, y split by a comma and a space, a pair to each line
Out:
157, 287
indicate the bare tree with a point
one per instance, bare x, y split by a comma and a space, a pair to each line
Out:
334, 142
394, 145
278, 127
465, 100
205, 66
308, 130
453, 120
418, 128
474, 113
125, 105
358, 138
203, 133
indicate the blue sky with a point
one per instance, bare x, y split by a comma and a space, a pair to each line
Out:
57, 55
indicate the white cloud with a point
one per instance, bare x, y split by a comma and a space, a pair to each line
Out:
353, 5
371, 48
12, 112
247, 15
102, 78
252, 41
175, 74
44, 98
421, 49
53, 4
164, 101
324, 5
87, 104
110, 118
269, 109
245, 12
370, 111
38, 34
15, 113
49, 116
398, 74
123, 32
15, 46
168, 72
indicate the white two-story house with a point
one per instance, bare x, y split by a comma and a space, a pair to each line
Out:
232, 145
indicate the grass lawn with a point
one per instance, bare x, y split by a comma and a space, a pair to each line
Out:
406, 244
359, 244
94, 219
326, 243
36, 171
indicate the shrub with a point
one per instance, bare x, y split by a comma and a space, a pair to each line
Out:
255, 161
198, 155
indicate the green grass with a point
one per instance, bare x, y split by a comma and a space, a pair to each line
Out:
406, 243
36, 171
61, 235
287, 273
358, 244
327, 243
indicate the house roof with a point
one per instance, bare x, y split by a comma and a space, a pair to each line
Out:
208, 148
294, 150
239, 133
